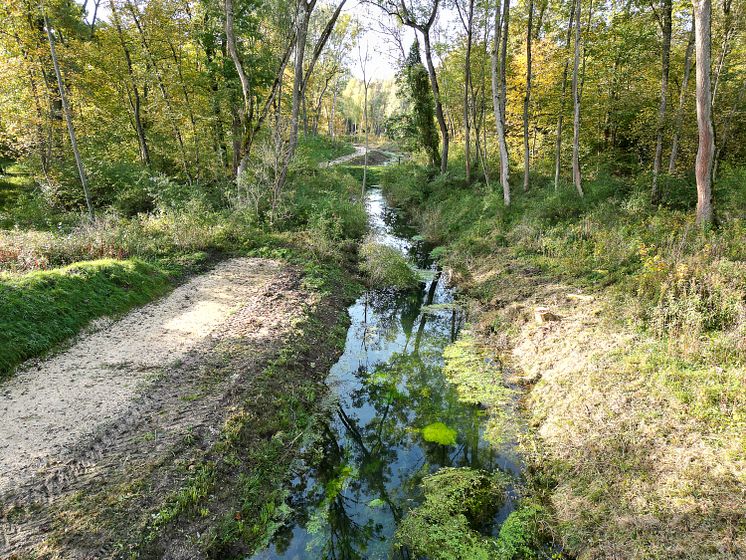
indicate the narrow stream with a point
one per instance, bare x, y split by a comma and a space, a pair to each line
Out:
388, 384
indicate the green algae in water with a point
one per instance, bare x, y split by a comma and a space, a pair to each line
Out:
437, 432
458, 503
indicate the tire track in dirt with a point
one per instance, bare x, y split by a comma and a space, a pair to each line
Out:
129, 396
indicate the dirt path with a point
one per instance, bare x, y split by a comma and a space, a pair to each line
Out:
128, 392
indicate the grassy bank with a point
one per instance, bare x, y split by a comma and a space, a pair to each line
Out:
41, 309
635, 382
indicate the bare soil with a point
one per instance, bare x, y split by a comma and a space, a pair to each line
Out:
134, 395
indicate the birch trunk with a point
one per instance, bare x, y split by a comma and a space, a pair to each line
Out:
527, 100
68, 119
576, 102
497, 108
706, 149
560, 116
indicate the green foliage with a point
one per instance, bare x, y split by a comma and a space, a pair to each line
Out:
41, 309
385, 266
414, 85
458, 502
519, 537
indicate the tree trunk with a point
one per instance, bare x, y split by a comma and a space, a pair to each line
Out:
334, 108
439, 114
667, 8
706, 149
560, 116
497, 107
730, 31
171, 114
682, 103
135, 102
68, 119
467, 84
243, 155
527, 99
576, 102
504, 63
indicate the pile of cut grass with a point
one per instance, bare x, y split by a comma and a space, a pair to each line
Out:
41, 309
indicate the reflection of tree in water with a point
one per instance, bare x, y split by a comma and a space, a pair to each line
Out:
382, 460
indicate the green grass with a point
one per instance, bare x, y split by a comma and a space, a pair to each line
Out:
13, 183
318, 148
41, 309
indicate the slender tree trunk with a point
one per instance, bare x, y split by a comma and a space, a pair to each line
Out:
135, 102
439, 114
468, 23
667, 8
243, 154
332, 113
504, 56
576, 102
527, 99
727, 128
187, 101
497, 107
682, 103
171, 114
68, 119
730, 31
706, 149
560, 116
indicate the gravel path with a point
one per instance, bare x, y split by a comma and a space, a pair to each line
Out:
72, 417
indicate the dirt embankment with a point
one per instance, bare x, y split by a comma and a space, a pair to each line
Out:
629, 469
101, 444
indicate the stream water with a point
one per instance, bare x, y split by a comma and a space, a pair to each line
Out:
365, 471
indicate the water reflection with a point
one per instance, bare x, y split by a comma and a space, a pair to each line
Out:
364, 473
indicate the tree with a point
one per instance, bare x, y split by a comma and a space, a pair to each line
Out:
527, 99
467, 20
560, 113
664, 20
682, 101
415, 86
706, 142
576, 104
498, 89
424, 25
364, 59
68, 118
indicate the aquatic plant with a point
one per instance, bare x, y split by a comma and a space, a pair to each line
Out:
458, 502
386, 267
437, 432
